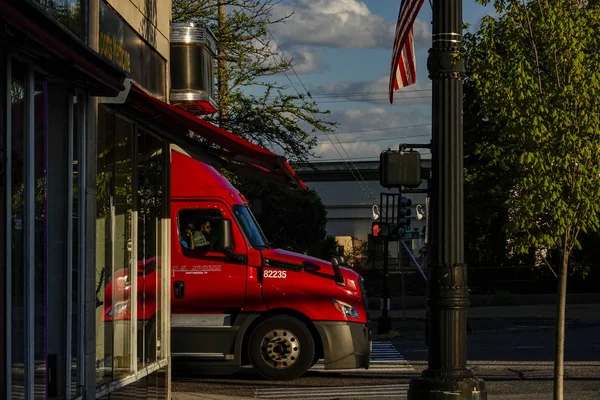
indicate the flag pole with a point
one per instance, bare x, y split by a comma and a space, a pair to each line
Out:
447, 376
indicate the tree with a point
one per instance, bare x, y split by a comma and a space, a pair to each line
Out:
357, 256
294, 220
535, 67
247, 60
487, 183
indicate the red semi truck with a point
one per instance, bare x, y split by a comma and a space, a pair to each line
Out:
237, 300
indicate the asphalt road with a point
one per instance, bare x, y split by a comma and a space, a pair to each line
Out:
514, 357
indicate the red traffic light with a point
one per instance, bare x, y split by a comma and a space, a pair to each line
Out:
380, 229
375, 229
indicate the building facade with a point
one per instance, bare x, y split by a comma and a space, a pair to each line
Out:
349, 192
83, 197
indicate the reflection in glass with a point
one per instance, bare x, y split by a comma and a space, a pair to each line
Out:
17, 249
122, 245
114, 245
104, 185
40, 236
250, 227
69, 13
150, 191
75, 221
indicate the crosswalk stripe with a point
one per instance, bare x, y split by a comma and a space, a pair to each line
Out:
384, 350
324, 393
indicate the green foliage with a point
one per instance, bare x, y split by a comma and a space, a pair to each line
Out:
487, 183
535, 69
247, 61
358, 256
294, 220
325, 248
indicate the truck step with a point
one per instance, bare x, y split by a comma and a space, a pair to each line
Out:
204, 356
200, 321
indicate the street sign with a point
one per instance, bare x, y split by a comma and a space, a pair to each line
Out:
410, 235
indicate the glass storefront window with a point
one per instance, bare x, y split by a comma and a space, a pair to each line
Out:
40, 228
122, 245
129, 223
150, 190
17, 248
104, 200
114, 247
45, 238
76, 256
28, 230
69, 13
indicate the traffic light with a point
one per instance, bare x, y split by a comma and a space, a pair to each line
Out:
380, 229
397, 169
404, 213
375, 229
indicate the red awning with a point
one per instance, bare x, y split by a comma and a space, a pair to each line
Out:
263, 162
79, 62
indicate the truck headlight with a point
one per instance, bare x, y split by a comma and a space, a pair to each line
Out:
345, 309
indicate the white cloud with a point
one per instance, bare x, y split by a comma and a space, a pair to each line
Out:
366, 133
338, 24
305, 60
375, 91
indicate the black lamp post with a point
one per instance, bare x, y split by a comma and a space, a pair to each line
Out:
447, 376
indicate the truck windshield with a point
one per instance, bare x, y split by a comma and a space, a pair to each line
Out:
253, 233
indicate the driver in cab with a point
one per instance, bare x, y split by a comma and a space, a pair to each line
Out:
199, 239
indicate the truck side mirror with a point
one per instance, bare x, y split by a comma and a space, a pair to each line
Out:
226, 235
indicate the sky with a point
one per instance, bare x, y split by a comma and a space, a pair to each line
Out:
341, 51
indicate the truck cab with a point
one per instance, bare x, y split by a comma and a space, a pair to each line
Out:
235, 300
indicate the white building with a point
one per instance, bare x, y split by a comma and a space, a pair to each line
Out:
350, 190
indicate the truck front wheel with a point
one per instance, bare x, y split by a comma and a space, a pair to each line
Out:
281, 348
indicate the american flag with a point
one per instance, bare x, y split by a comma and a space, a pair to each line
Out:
404, 67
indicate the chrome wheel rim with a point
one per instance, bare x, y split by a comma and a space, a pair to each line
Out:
280, 348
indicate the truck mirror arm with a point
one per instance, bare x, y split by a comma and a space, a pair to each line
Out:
339, 278
233, 257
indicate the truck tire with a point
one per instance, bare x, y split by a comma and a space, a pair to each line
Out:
281, 348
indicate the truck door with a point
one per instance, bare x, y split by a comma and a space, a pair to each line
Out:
205, 277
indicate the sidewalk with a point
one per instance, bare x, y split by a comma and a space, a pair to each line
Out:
583, 312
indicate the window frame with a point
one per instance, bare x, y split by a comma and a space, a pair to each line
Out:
136, 372
193, 253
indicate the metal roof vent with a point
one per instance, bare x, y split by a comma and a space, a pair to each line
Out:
193, 49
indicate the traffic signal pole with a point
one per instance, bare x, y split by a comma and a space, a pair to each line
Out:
385, 321
447, 376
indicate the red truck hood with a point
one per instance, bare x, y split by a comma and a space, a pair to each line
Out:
278, 258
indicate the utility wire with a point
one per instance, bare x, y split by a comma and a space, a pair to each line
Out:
366, 158
363, 183
373, 100
344, 94
384, 129
382, 139
374, 93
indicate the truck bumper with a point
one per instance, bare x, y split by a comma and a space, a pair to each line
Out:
346, 345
